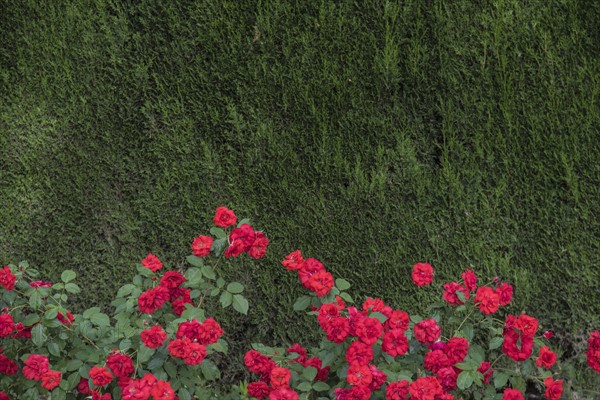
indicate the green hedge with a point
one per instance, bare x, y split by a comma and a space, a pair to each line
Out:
370, 135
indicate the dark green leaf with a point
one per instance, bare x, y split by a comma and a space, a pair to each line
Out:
209, 370
496, 342
217, 232
208, 272
464, 380
235, 287
195, 261
302, 303
342, 284
226, 299
240, 304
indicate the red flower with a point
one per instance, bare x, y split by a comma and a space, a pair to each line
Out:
153, 337
152, 262
7, 325
301, 351
354, 393
201, 246
397, 320
593, 351
436, 360
456, 349
554, 389
321, 283
512, 394
426, 388
51, 379
379, 378
259, 247
450, 295
547, 358
470, 280
484, 368
293, 261
359, 353
427, 331
369, 330
162, 391
100, 376
39, 284
245, 235
505, 293
258, 363
189, 329
7, 366
7, 278
548, 335
83, 386
97, 396
487, 300
280, 377
258, 390
511, 349
283, 393
422, 274
209, 332
527, 324
322, 373
195, 354
338, 329
310, 266
4, 396
395, 343
447, 377
35, 367
153, 299
397, 390
224, 217
120, 364
359, 375
178, 348
235, 249
172, 279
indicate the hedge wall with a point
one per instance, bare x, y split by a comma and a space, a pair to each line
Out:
371, 135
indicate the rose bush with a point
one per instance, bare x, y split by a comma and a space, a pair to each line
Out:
159, 344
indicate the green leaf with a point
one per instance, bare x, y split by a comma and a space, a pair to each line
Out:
305, 386
68, 275
468, 331
195, 261
226, 299
320, 386
100, 319
382, 318
464, 380
38, 335
496, 342
51, 313
125, 344
208, 272
220, 283
193, 276
466, 366
31, 319
500, 379
54, 349
72, 288
218, 246
342, 284
310, 373
35, 300
209, 370
90, 311
302, 303
461, 296
74, 365
346, 297
477, 353
219, 233
155, 363
240, 304
235, 287
125, 290
72, 381
145, 353
244, 221
58, 394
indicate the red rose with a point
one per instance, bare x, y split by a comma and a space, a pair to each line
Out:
484, 369
68, 320
177, 348
245, 234
153, 299
397, 390
397, 320
51, 379
152, 262
39, 284
427, 331
395, 343
97, 396
354, 393
259, 246
100, 376
327, 312
426, 388
512, 394
172, 280
505, 293
189, 329
310, 266
293, 261
457, 349
422, 274
487, 300
301, 351
283, 393
548, 335
447, 377
7, 278
7, 325
4, 396
593, 351
359, 353
338, 329
379, 378
224, 217
258, 390
209, 332
35, 366
369, 330
547, 358
195, 354
450, 295
554, 389
436, 360
258, 363
153, 337
359, 375
201, 246
120, 364
162, 391
527, 324
7, 366
321, 283
83, 386
280, 377
470, 280
322, 373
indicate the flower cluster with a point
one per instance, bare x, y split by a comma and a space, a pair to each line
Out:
274, 380
311, 272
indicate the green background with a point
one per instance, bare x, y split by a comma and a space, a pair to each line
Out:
371, 135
